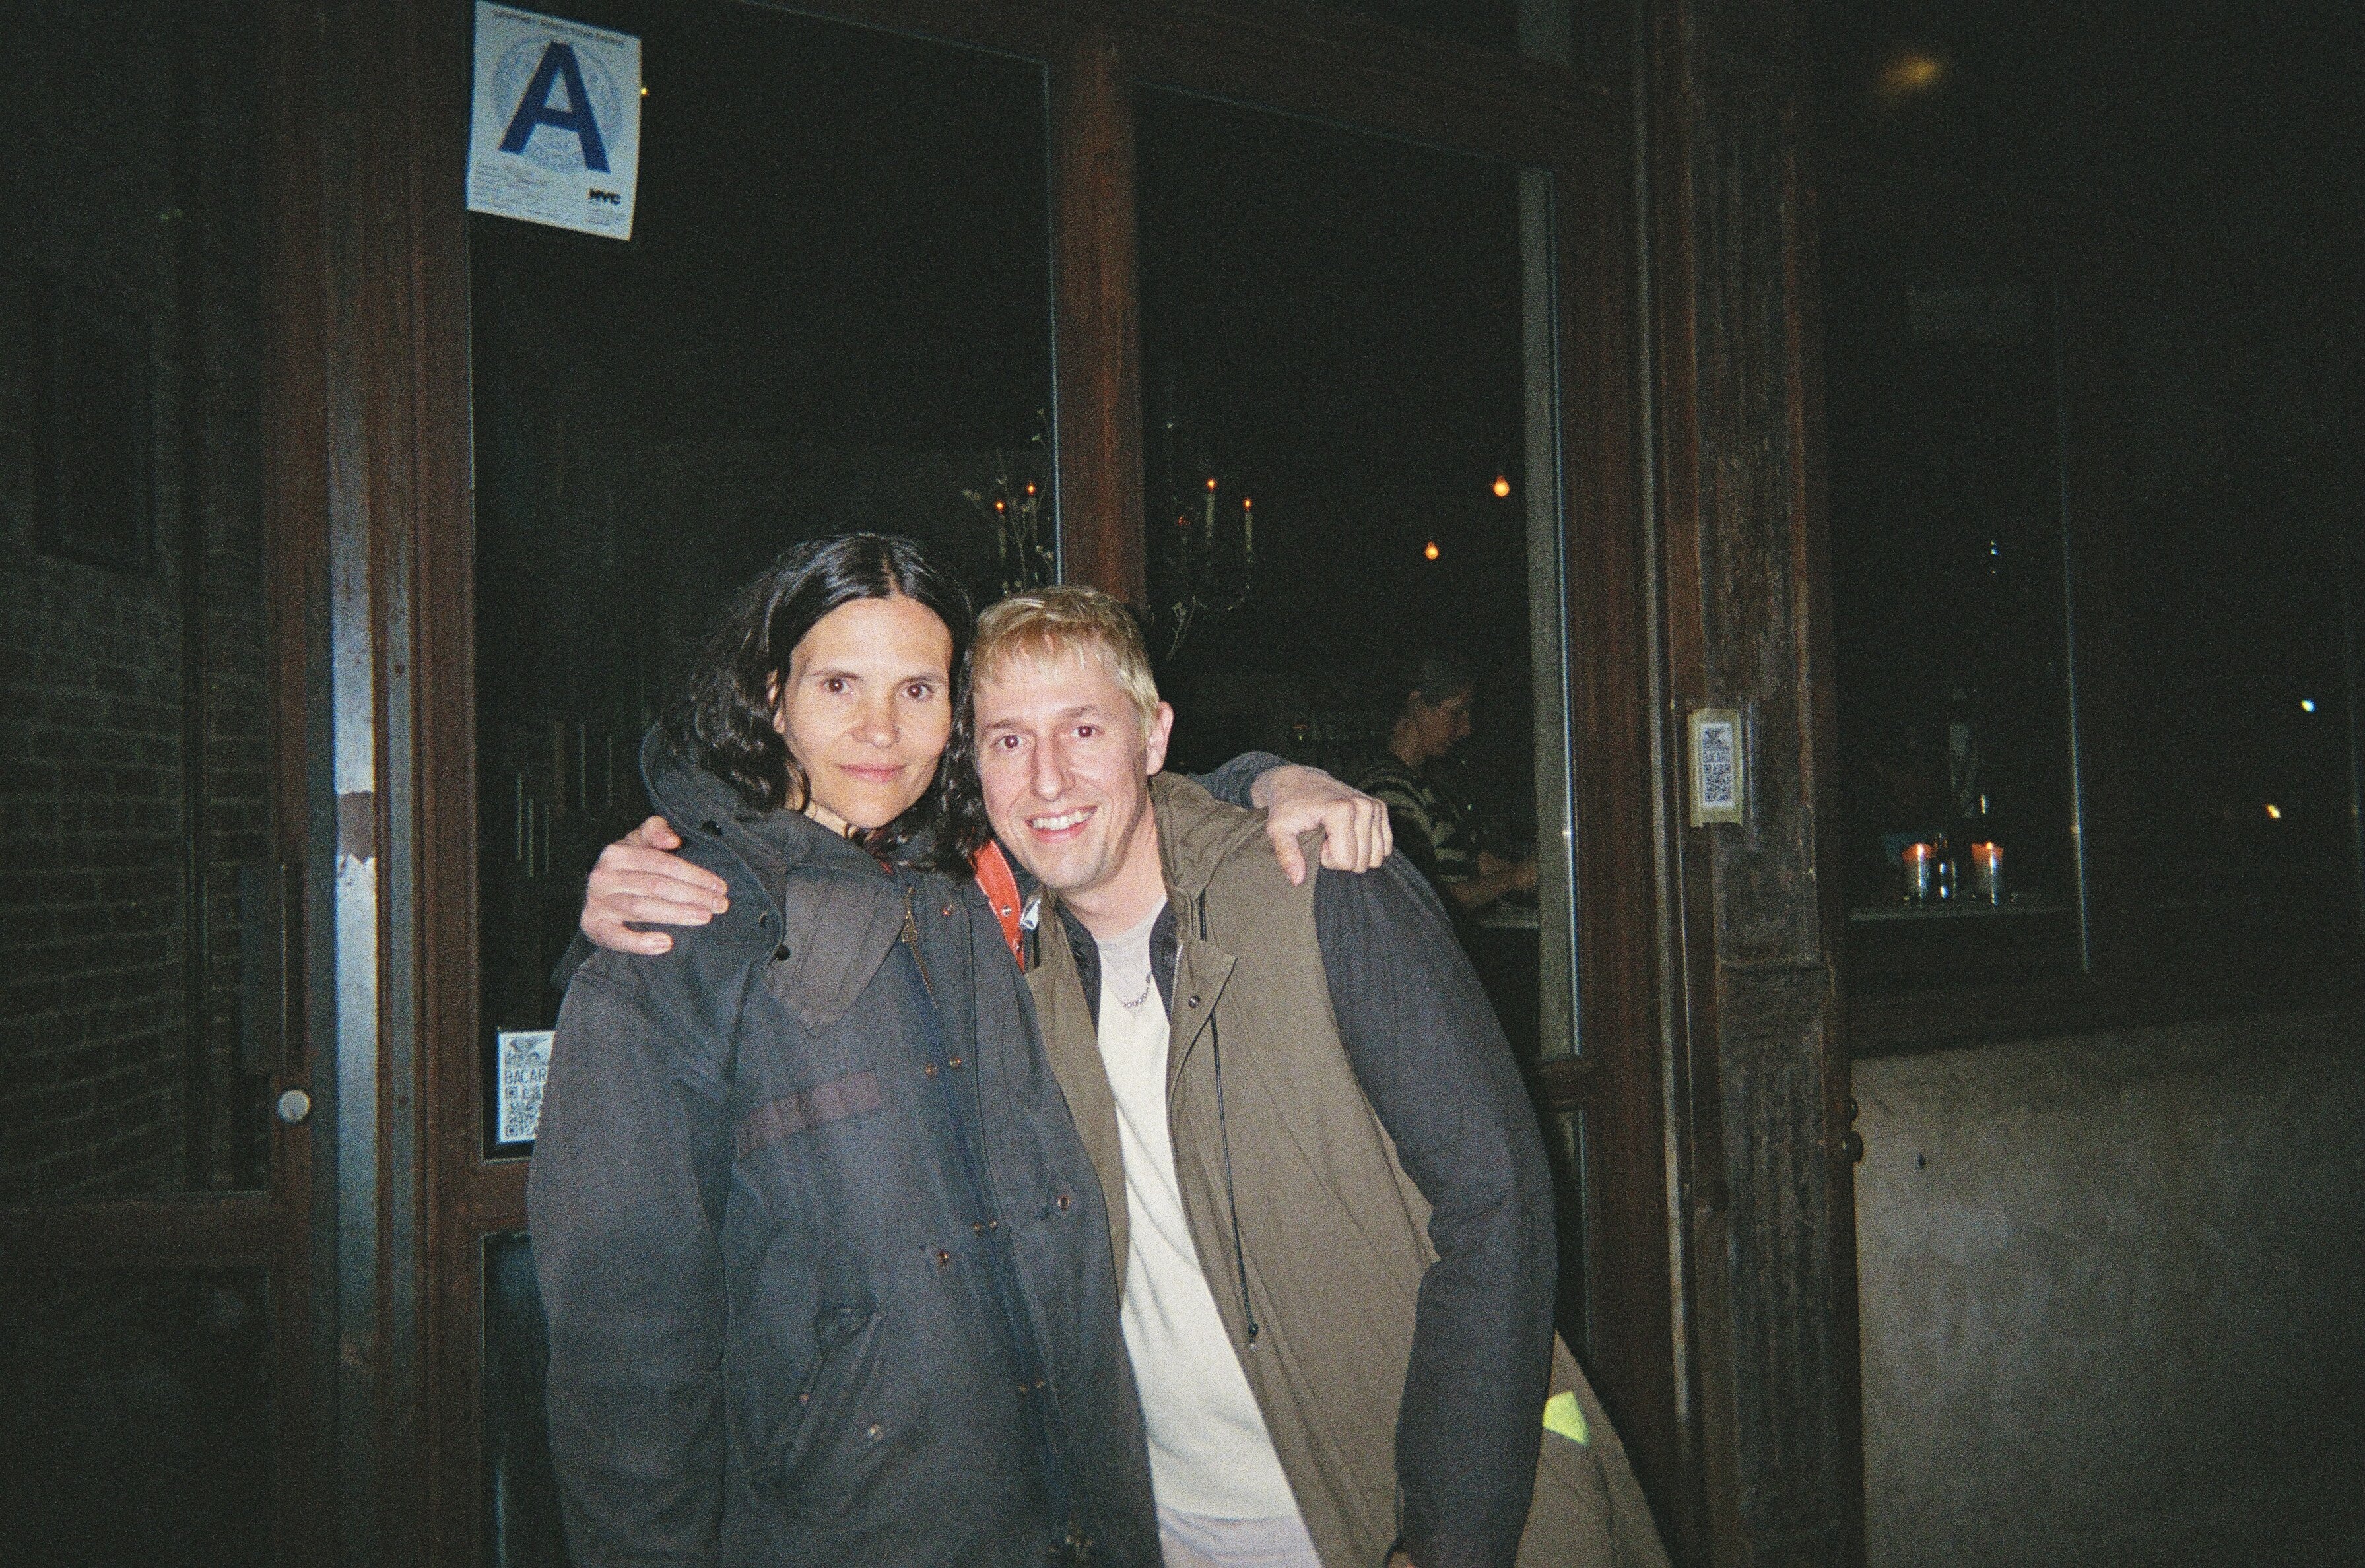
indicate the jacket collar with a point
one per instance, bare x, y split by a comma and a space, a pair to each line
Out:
1196, 833
825, 942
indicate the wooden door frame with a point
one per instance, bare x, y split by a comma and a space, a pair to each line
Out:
440, 1197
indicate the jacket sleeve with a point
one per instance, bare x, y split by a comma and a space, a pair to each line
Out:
1232, 782
1427, 1049
632, 1284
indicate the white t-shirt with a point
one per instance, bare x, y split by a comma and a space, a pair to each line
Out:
1209, 1454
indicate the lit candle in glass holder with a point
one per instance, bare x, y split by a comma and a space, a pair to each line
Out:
1987, 872
1921, 861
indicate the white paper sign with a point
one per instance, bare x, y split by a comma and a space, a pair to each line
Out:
521, 1057
555, 132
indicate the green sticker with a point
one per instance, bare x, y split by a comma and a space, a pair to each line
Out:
1562, 1415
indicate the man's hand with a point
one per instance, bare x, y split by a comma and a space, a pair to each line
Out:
638, 878
1355, 832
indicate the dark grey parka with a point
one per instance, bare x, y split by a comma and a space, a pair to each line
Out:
826, 1266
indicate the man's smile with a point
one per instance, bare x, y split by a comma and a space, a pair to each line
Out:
1051, 826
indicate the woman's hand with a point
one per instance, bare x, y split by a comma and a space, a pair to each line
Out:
639, 878
1296, 799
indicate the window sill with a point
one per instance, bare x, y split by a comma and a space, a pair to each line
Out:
1894, 1019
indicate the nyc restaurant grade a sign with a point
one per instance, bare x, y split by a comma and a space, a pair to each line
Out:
554, 122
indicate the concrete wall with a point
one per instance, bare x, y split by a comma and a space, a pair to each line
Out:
2113, 1298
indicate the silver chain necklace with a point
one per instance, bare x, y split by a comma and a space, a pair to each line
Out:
1135, 1005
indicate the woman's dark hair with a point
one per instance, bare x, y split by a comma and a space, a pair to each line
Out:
1436, 673
724, 719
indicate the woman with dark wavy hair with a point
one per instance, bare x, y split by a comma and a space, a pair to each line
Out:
730, 716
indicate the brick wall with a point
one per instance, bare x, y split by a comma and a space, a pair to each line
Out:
106, 1058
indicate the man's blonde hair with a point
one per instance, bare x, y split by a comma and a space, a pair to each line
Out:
1070, 622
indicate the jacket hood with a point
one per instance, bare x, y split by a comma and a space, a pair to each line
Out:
1196, 832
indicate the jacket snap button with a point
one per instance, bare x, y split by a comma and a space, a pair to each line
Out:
979, 1227
780, 954
944, 1259
1065, 1200
947, 910
1193, 1002
804, 1398
955, 1062
930, 1070
874, 1431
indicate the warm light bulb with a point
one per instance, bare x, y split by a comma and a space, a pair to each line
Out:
2307, 704
1211, 482
998, 506
1430, 550
2274, 812
1502, 486
1909, 75
1030, 489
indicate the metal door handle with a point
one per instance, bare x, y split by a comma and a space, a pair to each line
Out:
294, 1106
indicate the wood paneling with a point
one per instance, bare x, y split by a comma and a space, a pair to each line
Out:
1762, 1088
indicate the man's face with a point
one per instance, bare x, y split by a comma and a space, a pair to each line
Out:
1443, 725
1066, 769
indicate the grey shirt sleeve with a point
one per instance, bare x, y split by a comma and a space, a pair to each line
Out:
1231, 782
1425, 1045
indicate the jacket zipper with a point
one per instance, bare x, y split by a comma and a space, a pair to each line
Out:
911, 936
1020, 1322
1224, 1131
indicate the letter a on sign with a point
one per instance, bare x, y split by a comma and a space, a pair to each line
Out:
555, 131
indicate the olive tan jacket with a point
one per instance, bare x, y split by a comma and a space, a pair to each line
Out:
1369, 1201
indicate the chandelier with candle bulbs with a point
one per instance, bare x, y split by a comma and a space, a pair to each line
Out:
1013, 506
1202, 545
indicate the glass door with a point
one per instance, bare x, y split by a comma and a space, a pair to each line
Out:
833, 313
1353, 544
155, 1325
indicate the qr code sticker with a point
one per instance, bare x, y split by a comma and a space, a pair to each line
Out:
523, 1061
1716, 781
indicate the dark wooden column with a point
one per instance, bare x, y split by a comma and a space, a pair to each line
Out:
1760, 1091
1096, 319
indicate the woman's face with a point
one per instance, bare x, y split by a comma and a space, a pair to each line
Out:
868, 710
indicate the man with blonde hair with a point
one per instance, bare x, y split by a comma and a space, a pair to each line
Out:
1328, 1198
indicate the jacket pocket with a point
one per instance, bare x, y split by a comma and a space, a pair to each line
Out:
805, 1422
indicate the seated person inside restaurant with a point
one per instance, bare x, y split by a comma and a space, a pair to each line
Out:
1434, 690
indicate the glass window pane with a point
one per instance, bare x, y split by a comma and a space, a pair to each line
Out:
1540, 29
132, 634
1573, 1193
1339, 400
2235, 608
1949, 584
135, 1421
833, 313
